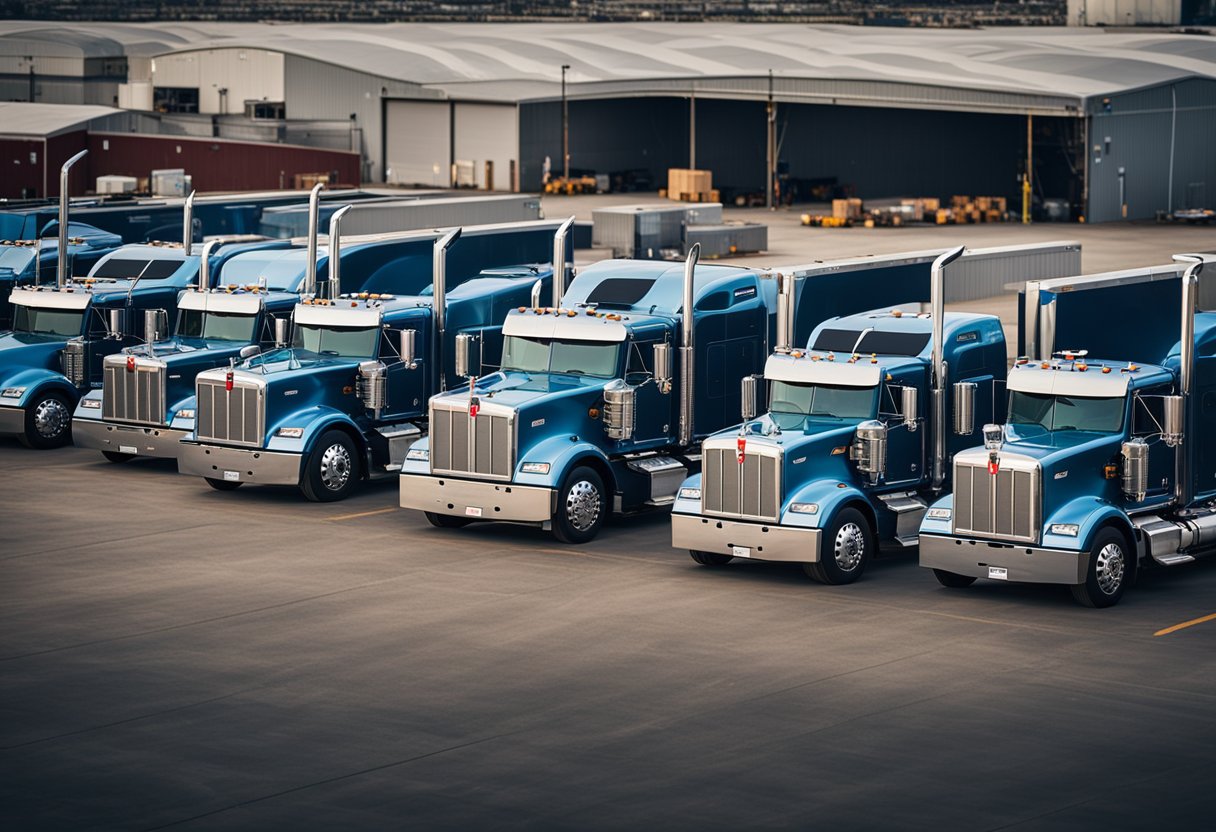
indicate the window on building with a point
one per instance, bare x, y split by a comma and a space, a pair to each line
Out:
175, 99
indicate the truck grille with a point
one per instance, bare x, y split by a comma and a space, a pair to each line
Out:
233, 416
484, 446
74, 363
1005, 506
751, 490
133, 395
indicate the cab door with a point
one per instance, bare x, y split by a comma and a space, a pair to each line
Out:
654, 409
905, 447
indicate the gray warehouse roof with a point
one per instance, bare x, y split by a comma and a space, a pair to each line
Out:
1049, 69
18, 118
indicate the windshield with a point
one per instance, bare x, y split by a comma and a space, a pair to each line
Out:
284, 270
1035, 410
47, 321
821, 400
550, 355
195, 323
344, 341
16, 258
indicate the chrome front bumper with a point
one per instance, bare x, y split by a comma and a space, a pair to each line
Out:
161, 442
986, 559
12, 421
474, 498
252, 465
759, 541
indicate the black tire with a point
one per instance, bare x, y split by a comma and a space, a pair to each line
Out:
582, 506
332, 469
845, 549
1109, 569
710, 559
48, 421
118, 458
446, 521
952, 579
222, 485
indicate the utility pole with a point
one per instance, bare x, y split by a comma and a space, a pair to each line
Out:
692, 128
1027, 183
565, 129
770, 144
30, 58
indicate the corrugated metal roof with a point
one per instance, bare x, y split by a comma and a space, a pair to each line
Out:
514, 62
20, 118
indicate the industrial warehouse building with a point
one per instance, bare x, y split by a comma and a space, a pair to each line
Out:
1121, 124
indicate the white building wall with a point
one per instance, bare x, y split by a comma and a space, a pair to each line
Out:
247, 75
418, 143
488, 133
1124, 12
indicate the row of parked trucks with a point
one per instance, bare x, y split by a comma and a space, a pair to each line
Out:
433, 357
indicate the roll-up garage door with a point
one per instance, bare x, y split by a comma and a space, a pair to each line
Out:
487, 140
418, 143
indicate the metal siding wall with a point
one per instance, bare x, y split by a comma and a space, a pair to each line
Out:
986, 274
418, 145
488, 132
19, 171
1139, 127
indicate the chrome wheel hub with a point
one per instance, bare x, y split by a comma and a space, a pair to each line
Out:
583, 505
850, 545
50, 418
335, 467
1109, 568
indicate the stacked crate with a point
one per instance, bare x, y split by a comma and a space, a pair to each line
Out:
687, 185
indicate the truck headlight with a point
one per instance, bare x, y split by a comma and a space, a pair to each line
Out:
804, 508
938, 514
13, 392
89, 404
184, 413
418, 454
289, 433
690, 493
535, 468
1065, 529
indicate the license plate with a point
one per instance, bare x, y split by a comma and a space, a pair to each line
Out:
472, 511
232, 476
128, 449
998, 573
741, 551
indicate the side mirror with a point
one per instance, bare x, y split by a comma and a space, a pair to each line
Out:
467, 364
155, 324
116, 323
409, 345
909, 405
1172, 429
964, 407
748, 387
249, 351
662, 366
282, 332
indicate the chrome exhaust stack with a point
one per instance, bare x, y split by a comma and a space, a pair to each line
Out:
687, 361
785, 313
188, 223
559, 261
61, 268
1186, 367
938, 288
335, 251
310, 268
204, 264
439, 298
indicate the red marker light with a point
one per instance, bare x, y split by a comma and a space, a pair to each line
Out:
994, 464
228, 381
130, 363
741, 445
474, 406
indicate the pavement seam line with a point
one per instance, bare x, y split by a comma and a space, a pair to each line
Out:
1185, 624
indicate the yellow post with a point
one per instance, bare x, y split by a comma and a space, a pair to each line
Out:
1026, 181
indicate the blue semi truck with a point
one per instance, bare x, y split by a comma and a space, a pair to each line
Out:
844, 460
347, 398
1106, 462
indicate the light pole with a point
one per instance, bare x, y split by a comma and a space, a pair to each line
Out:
565, 130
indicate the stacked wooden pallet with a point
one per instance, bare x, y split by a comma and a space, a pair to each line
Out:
687, 185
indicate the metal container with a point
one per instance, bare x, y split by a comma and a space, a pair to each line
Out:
964, 407
662, 363
1135, 469
645, 231
869, 449
409, 347
728, 239
1175, 416
748, 387
908, 405
466, 364
282, 332
620, 409
156, 324
372, 385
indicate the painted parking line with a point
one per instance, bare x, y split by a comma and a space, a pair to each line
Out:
364, 513
1185, 624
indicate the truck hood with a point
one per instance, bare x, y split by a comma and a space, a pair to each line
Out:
20, 351
813, 441
186, 358
1058, 451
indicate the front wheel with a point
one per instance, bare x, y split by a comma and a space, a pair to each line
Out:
116, 457
710, 559
446, 521
845, 549
222, 485
952, 579
582, 504
48, 421
332, 469
1106, 577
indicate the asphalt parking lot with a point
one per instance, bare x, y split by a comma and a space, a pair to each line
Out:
176, 657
